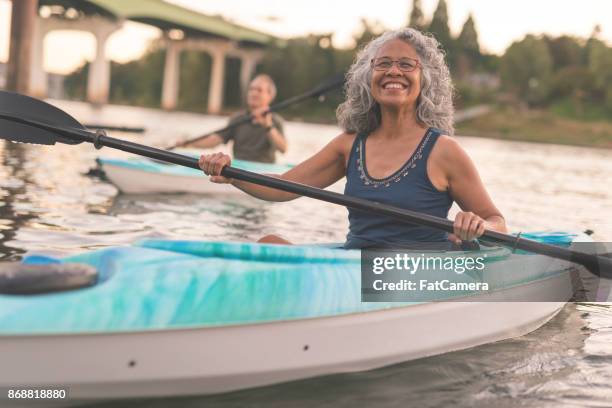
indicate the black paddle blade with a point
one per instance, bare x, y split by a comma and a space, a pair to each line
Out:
14, 105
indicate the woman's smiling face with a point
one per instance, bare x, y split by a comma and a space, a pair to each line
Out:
395, 87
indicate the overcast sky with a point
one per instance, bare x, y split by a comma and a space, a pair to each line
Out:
499, 23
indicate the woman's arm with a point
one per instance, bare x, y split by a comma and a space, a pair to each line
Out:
321, 170
460, 176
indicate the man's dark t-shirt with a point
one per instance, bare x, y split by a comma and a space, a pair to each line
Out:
251, 141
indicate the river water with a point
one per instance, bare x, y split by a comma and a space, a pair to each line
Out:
48, 205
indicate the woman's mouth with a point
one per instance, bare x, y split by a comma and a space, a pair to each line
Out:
394, 85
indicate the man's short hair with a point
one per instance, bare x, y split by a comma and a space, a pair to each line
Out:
270, 81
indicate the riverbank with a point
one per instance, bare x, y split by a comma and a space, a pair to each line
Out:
538, 126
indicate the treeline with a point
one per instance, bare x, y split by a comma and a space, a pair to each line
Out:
569, 75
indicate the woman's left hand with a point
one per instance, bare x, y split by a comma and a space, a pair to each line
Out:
467, 226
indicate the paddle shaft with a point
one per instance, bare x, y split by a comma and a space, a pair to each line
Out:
116, 128
597, 264
320, 90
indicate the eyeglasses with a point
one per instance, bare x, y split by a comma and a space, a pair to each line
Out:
404, 64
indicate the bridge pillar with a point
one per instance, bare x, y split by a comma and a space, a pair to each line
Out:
247, 69
38, 76
217, 77
98, 77
23, 17
170, 89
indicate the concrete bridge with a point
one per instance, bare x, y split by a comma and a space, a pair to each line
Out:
183, 29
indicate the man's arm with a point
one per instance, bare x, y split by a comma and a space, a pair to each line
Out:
277, 139
206, 143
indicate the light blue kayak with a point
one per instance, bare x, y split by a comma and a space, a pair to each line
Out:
197, 317
161, 284
143, 176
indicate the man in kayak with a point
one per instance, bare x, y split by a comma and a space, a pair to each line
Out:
397, 148
263, 136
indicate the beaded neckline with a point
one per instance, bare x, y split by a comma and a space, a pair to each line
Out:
399, 174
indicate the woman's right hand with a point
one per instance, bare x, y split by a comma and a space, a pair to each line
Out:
212, 164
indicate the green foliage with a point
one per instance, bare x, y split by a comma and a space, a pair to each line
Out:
608, 100
232, 96
582, 110
467, 41
417, 18
571, 82
489, 63
194, 81
139, 82
75, 84
600, 63
467, 49
440, 29
467, 95
302, 64
526, 69
369, 31
565, 51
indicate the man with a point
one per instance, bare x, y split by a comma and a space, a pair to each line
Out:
259, 139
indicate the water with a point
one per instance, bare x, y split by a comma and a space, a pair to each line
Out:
48, 205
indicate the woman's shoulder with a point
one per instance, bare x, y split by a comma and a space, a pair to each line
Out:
446, 146
344, 141
345, 138
449, 153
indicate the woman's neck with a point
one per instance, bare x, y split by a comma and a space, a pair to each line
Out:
396, 123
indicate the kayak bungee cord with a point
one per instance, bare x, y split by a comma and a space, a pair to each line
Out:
28, 120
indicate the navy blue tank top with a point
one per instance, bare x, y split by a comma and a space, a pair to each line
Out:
409, 187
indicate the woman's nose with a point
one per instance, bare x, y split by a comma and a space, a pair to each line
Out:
394, 69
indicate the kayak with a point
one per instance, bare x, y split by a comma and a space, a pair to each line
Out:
144, 176
170, 318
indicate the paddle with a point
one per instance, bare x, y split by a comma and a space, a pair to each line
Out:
116, 128
320, 90
45, 124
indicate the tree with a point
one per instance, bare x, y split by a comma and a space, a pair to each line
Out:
526, 69
439, 28
139, 82
565, 51
417, 18
600, 67
369, 31
468, 49
467, 41
292, 68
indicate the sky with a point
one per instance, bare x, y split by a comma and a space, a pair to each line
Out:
499, 23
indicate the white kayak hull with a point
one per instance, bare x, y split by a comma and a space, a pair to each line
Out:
212, 360
135, 181
144, 176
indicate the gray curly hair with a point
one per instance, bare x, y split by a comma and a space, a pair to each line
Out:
360, 113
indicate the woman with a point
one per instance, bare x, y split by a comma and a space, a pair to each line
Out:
396, 149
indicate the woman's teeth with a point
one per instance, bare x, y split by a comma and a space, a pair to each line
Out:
393, 86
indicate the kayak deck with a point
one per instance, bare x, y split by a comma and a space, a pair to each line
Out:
159, 284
